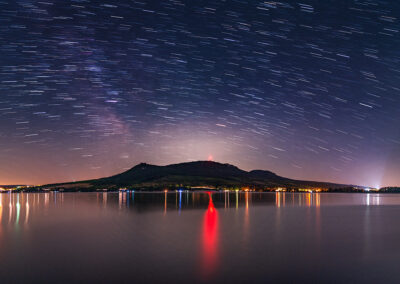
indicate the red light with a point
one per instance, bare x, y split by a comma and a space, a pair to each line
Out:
210, 239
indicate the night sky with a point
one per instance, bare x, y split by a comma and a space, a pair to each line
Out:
307, 89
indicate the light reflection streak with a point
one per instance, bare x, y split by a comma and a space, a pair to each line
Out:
18, 206
246, 196
237, 200
10, 209
104, 200
317, 199
367, 231
278, 199
1, 209
378, 199
372, 199
180, 201
165, 202
225, 199
300, 199
318, 218
124, 199
27, 209
278, 212
308, 199
46, 200
210, 240
246, 217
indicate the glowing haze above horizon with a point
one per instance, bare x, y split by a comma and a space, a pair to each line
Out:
306, 89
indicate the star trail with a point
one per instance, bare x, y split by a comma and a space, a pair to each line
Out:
307, 89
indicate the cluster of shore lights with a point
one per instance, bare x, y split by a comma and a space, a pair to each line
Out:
368, 189
310, 190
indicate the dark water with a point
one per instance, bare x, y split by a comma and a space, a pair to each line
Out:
199, 238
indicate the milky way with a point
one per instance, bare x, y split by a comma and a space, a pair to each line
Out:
307, 89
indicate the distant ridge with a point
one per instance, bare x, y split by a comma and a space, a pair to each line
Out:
195, 174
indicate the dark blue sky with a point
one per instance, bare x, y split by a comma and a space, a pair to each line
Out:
307, 89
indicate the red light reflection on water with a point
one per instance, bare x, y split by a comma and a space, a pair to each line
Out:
210, 240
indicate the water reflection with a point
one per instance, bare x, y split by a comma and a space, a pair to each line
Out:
210, 239
372, 199
17, 208
11, 208
180, 201
165, 202
246, 217
206, 233
280, 198
26, 210
237, 199
104, 200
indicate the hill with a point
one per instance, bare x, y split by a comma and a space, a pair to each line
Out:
194, 174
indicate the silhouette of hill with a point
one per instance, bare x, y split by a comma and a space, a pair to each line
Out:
195, 174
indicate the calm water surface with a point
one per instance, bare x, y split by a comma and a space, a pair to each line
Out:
199, 237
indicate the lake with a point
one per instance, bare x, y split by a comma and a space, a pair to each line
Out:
199, 237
